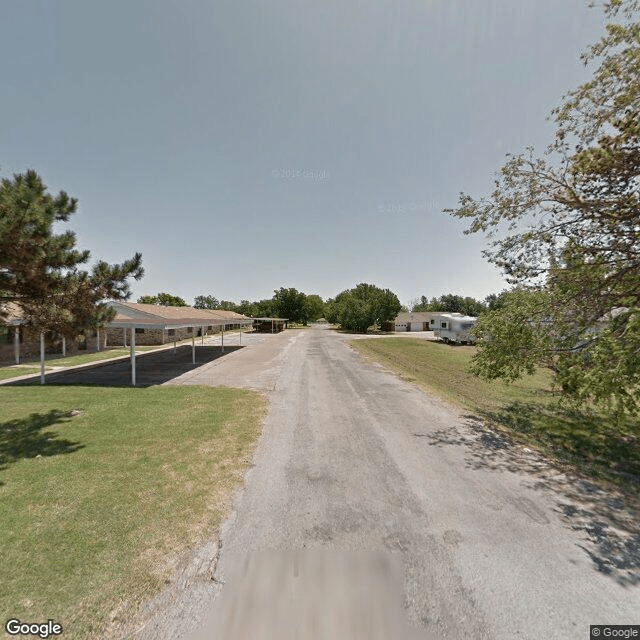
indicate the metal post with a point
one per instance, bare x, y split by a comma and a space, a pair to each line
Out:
174, 345
64, 346
133, 356
124, 337
222, 349
202, 334
98, 338
16, 343
193, 348
240, 336
42, 358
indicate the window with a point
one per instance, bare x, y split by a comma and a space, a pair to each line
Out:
443, 325
139, 330
189, 329
432, 321
172, 332
5, 334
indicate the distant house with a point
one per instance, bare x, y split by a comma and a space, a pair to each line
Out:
416, 321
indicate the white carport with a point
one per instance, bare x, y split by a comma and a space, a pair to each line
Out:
130, 316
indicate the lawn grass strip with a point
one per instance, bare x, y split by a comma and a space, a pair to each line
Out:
102, 505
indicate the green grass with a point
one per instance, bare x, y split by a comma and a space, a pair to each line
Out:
102, 489
14, 372
527, 411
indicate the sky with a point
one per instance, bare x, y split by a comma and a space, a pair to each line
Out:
246, 145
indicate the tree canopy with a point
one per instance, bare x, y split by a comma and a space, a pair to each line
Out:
206, 302
314, 307
450, 302
566, 226
365, 305
163, 299
40, 270
291, 304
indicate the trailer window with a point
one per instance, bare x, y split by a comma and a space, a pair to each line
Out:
443, 325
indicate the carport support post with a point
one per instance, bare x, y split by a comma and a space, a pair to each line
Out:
42, 357
202, 334
193, 348
222, 347
133, 356
98, 338
174, 347
64, 346
16, 344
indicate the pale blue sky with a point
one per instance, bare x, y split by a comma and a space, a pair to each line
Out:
244, 145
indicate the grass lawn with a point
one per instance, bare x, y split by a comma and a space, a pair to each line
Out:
14, 372
102, 489
526, 410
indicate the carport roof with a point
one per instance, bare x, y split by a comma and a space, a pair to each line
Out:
151, 316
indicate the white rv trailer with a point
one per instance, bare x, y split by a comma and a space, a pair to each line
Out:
454, 328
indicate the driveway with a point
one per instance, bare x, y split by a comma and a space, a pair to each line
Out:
375, 511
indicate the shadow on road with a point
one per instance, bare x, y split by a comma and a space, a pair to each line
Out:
608, 520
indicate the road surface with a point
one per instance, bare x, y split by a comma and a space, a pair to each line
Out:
375, 511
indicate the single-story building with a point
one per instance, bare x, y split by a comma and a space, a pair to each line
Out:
416, 321
19, 341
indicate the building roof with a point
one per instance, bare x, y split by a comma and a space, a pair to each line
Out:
11, 312
152, 316
421, 316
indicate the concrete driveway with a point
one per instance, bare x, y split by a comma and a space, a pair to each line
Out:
375, 511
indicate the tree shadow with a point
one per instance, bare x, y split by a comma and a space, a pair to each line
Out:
24, 438
589, 453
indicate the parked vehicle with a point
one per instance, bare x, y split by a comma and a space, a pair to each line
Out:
454, 328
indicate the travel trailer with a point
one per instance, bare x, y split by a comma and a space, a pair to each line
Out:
454, 328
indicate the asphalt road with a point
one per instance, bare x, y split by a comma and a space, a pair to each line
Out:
374, 511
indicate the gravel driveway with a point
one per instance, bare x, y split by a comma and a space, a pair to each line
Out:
371, 505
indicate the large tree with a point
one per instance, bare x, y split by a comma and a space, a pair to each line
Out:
365, 305
290, 304
314, 307
163, 300
40, 269
566, 226
206, 302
